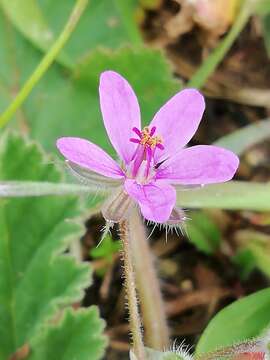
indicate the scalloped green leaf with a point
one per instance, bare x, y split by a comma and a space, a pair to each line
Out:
244, 319
73, 338
37, 278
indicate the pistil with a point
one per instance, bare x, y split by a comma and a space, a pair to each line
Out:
147, 145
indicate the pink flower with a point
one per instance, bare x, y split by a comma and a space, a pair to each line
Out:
153, 159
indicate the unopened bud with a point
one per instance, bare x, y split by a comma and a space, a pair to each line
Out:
117, 207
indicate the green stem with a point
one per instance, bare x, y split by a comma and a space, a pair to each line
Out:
45, 62
210, 64
130, 285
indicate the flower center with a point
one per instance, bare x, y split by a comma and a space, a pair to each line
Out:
147, 139
142, 167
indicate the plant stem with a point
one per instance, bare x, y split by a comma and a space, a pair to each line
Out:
45, 62
213, 60
130, 284
154, 318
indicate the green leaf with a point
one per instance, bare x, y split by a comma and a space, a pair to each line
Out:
203, 232
243, 319
254, 251
13, 48
244, 259
151, 4
240, 140
73, 338
262, 7
104, 23
27, 17
36, 277
106, 249
234, 195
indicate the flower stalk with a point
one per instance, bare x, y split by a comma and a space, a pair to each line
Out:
153, 312
45, 63
130, 285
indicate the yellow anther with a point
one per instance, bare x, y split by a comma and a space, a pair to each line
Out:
148, 140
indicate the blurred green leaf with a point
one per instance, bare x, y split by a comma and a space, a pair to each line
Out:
28, 18
262, 7
234, 195
254, 251
106, 249
37, 279
203, 232
242, 320
240, 140
151, 4
245, 261
104, 23
78, 336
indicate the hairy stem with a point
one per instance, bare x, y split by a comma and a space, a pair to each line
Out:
45, 62
130, 284
154, 319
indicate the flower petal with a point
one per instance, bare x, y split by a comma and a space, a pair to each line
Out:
202, 164
177, 121
88, 155
156, 200
120, 111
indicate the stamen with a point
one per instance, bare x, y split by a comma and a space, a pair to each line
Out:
160, 146
137, 132
146, 138
152, 131
137, 141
